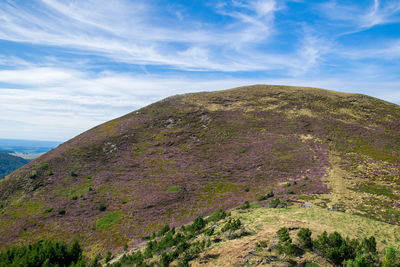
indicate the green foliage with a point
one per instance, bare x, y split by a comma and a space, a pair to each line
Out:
285, 244
304, 238
217, 215
102, 207
232, 225
73, 174
242, 150
391, 258
290, 192
245, 205
43, 253
61, 212
48, 210
109, 219
164, 230
246, 189
166, 259
283, 235
335, 248
275, 202
269, 195
173, 189
209, 231
107, 257
198, 224
359, 261
287, 185
262, 244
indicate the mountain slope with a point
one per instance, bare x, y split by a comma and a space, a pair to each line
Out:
9, 163
191, 154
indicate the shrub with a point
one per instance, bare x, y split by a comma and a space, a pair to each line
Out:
390, 259
48, 210
198, 224
285, 243
164, 230
291, 192
275, 202
359, 261
73, 174
107, 257
283, 235
335, 248
74, 197
262, 244
217, 215
287, 185
166, 259
269, 195
245, 205
304, 238
209, 231
61, 212
102, 207
246, 189
232, 225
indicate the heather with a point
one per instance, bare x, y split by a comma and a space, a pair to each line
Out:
189, 155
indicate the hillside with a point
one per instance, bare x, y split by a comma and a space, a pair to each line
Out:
191, 154
9, 163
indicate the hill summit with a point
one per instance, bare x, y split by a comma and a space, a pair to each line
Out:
189, 155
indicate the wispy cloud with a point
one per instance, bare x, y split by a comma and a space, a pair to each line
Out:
125, 31
359, 17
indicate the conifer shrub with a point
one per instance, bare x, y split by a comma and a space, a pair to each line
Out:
164, 230
198, 224
245, 205
304, 238
107, 257
44, 253
217, 215
232, 225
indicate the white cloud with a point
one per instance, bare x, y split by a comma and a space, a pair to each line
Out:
126, 31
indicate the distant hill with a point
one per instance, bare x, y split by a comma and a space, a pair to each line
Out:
191, 154
27, 146
9, 163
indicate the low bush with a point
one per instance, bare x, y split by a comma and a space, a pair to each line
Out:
304, 238
217, 215
245, 205
232, 225
102, 207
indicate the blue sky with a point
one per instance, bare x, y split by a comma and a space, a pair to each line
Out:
66, 66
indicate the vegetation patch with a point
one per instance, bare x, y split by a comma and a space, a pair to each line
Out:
109, 219
375, 189
173, 189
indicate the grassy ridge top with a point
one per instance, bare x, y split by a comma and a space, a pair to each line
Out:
191, 154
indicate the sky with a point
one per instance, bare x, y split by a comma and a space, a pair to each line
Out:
69, 65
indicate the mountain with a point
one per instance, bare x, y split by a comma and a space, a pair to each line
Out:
9, 163
189, 155
27, 146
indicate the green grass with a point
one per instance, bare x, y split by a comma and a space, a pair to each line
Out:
109, 219
173, 189
375, 189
